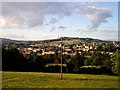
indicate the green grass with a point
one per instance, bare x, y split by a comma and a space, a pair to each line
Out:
52, 80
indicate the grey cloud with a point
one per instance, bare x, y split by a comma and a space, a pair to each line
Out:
62, 27
34, 21
31, 14
53, 28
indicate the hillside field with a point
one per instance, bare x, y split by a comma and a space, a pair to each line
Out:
52, 80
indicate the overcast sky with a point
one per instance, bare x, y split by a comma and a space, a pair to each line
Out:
48, 20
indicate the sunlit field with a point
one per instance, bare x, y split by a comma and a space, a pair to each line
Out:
52, 80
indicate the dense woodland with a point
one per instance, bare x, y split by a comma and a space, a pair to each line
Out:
98, 63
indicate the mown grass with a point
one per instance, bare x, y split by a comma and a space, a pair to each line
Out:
52, 80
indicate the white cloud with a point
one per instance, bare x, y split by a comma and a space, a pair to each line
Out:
13, 36
2, 22
96, 15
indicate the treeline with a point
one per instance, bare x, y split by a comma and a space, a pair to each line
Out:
87, 62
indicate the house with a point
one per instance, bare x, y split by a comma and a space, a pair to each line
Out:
49, 52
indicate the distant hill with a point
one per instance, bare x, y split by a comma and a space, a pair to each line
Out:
74, 39
8, 41
65, 39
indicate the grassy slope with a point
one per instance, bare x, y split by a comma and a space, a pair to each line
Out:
52, 80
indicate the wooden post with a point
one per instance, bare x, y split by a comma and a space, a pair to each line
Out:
61, 61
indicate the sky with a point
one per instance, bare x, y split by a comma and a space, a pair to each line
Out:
49, 20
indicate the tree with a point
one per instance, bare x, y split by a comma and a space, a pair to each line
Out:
107, 65
97, 58
100, 48
88, 62
70, 65
116, 63
97, 61
78, 61
38, 63
49, 58
12, 59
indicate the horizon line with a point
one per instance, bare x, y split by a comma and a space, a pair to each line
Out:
54, 38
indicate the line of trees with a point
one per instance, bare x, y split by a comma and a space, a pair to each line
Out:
13, 60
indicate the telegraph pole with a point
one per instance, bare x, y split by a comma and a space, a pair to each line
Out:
61, 60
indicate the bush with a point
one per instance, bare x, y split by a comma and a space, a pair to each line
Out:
55, 68
94, 70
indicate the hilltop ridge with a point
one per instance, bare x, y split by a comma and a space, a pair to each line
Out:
65, 39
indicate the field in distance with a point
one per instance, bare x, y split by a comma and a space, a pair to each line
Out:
52, 80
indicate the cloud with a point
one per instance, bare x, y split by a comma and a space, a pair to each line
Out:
13, 36
62, 27
53, 21
96, 15
7, 22
53, 28
26, 14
